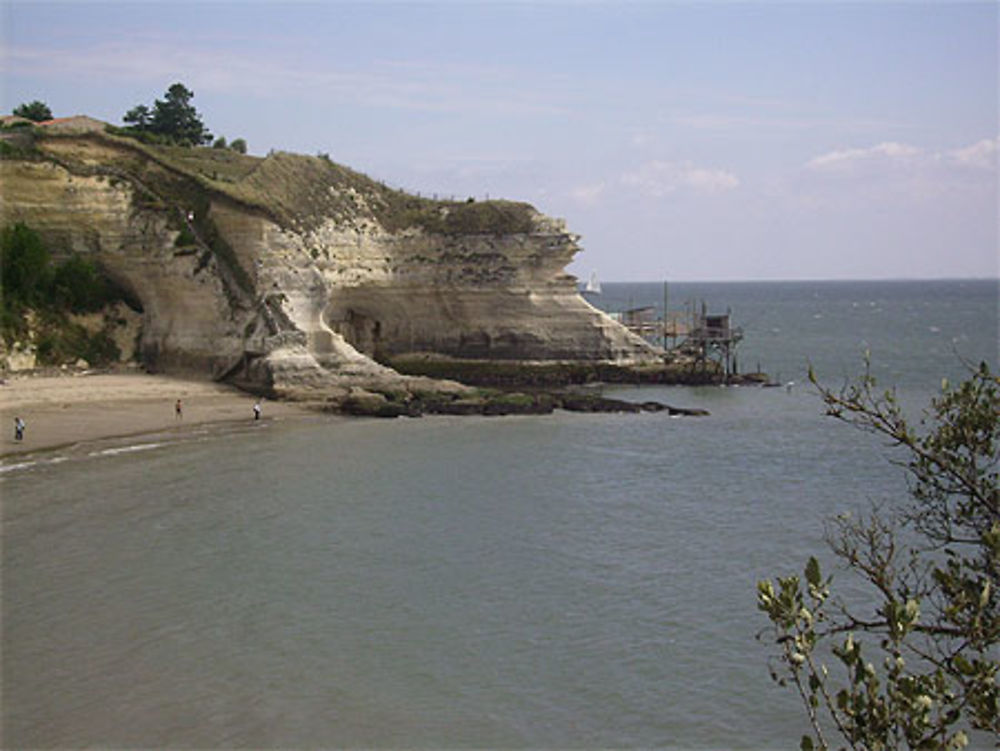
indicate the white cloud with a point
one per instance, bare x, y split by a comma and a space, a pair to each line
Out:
710, 180
888, 151
588, 194
659, 178
980, 155
898, 174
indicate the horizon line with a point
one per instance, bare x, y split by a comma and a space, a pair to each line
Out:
809, 279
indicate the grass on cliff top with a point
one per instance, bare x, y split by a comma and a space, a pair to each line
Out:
302, 192
216, 165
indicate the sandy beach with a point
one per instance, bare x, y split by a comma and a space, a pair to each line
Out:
67, 409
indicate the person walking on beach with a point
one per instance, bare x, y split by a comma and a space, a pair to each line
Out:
256, 410
18, 429
178, 410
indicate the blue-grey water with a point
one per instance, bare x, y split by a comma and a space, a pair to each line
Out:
571, 581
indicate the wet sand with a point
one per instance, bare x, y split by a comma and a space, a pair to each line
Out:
64, 410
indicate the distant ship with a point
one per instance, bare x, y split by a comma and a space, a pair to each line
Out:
593, 286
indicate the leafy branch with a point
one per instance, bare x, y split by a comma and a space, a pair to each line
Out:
920, 670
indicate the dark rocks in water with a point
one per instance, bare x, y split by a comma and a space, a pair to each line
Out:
688, 412
491, 405
591, 403
519, 404
368, 404
372, 405
654, 406
457, 407
464, 406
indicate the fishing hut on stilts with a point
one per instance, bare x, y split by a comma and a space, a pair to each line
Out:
713, 337
700, 335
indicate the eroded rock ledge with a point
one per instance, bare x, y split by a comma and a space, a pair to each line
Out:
498, 403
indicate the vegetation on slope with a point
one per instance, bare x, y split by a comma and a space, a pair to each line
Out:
303, 191
17, 141
36, 289
299, 192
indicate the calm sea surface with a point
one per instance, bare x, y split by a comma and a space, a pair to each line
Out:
572, 581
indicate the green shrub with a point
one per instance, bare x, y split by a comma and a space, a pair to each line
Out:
185, 238
491, 217
101, 349
12, 324
24, 266
20, 148
78, 287
36, 110
29, 281
61, 341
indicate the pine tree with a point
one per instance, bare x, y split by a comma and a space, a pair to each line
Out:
173, 118
36, 110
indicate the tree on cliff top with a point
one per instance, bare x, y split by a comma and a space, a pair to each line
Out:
172, 118
36, 110
918, 666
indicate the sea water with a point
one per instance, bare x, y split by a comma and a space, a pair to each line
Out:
571, 581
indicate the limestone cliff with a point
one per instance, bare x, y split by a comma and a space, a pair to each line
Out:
293, 274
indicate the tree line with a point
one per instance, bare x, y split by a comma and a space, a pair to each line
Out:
171, 120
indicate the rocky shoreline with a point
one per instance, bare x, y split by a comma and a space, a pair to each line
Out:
125, 400
491, 403
79, 408
65, 407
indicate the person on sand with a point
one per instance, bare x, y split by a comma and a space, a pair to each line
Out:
256, 410
178, 410
18, 429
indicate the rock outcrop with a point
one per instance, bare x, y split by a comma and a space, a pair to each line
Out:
295, 276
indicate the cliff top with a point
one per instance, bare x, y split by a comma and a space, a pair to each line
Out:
297, 191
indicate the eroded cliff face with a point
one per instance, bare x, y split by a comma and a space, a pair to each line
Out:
187, 317
294, 275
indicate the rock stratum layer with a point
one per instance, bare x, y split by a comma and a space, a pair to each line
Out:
292, 275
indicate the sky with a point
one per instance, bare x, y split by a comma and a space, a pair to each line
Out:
683, 141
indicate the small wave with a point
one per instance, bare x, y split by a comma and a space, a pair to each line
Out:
4, 468
126, 449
